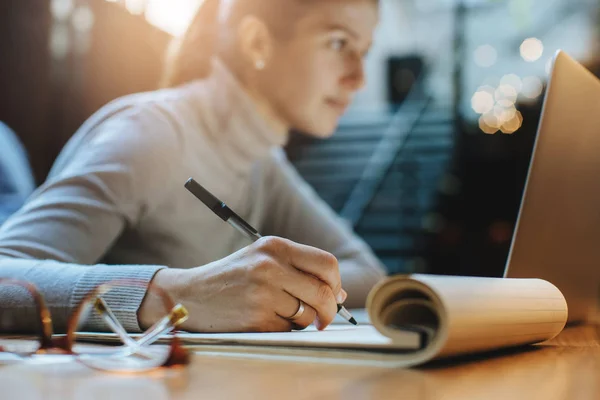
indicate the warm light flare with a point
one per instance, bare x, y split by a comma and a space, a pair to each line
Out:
513, 124
172, 16
485, 127
497, 106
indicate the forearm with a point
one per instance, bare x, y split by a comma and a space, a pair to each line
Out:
63, 287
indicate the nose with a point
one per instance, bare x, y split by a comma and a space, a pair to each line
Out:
355, 78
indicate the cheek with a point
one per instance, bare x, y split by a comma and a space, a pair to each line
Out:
320, 81
304, 88
299, 87
307, 72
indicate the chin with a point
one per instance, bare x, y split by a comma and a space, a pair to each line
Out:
321, 130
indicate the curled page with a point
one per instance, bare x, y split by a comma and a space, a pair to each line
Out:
459, 315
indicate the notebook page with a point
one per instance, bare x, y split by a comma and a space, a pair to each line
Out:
335, 336
362, 337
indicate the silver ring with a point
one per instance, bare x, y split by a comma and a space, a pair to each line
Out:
298, 313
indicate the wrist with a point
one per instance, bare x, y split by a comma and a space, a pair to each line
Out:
152, 307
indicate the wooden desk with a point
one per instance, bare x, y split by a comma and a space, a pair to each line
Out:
567, 367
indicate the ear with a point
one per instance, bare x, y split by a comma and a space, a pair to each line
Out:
256, 42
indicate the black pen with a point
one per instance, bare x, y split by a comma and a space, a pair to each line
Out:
227, 215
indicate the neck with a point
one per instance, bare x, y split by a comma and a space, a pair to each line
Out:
247, 82
265, 110
239, 123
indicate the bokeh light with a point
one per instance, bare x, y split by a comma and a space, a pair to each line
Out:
505, 95
83, 19
61, 9
512, 80
532, 87
504, 113
482, 102
485, 56
491, 120
513, 124
60, 42
532, 49
485, 127
497, 106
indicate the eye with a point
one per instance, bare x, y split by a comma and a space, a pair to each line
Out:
338, 44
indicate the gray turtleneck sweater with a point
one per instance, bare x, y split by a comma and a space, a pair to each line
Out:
114, 205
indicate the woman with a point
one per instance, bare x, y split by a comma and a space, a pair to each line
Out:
114, 206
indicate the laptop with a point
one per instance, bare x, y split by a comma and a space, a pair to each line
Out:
557, 234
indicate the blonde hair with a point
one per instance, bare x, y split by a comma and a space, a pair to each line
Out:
189, 58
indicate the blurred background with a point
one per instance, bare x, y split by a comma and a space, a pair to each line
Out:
428, 164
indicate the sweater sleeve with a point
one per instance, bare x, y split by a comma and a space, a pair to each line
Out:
71, 221
296, 212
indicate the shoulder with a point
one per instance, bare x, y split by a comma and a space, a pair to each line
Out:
132, 130
152, 118
137, 140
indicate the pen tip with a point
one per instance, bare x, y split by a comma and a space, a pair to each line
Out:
353, 321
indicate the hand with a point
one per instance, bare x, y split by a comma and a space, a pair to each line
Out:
254, 289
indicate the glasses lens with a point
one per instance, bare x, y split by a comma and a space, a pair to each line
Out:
20, 351
165, 325
134, 355
126, 359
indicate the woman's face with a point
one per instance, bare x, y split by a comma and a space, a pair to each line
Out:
311, 77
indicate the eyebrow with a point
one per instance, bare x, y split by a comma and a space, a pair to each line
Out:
338, 27
354, 34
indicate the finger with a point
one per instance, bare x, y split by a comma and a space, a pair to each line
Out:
312, 291
344, 296
278, 324
288, 305
317, 262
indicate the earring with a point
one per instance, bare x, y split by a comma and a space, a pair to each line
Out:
259, 64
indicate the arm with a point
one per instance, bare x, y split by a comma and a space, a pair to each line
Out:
71, 221
296, 212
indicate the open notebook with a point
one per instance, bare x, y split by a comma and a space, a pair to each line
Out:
413, 319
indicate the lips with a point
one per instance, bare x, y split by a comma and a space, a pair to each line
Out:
339, 105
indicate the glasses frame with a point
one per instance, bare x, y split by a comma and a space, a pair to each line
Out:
63, 344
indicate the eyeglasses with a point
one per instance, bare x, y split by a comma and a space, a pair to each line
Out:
132, 356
